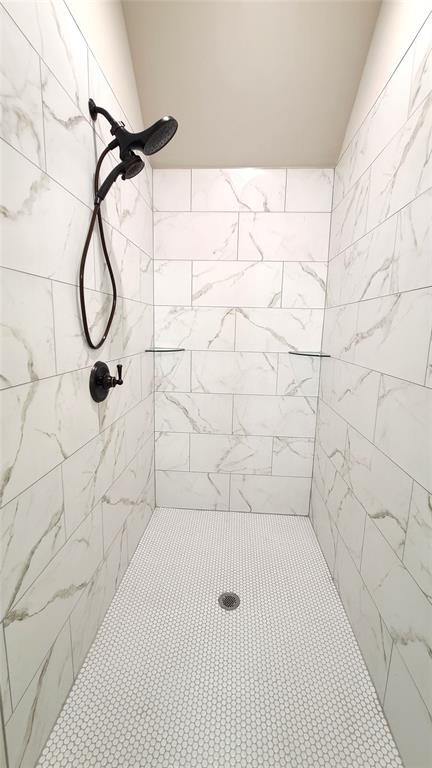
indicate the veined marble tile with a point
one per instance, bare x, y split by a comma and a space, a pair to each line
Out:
381, 487
403, 606
230, 453
293, 456
386, 117
137, 322
21, 107
298, 375
39, 615
172, 371
54, 34
172, 451
172, 189
331, 434
102, 94
278, 330
393, 334
36, 713
70, 156
173, 282
195, 236
270, 495
370, 631
146, 278
123, 398
304, 285
135, 216
366, 269
404, 427
238, 189
90, 471
285, 416
119, 501
192, 490
428, 376
421, 83
198, 328
147, 373
404, 169
234, 372
324, 527
32, 529
139, 426
309, 189
26, 329
126, 260
348, 222
228, 284
412, 263
284, 236
140, 515
352, 392
193, 412
418, 546
88, 614
4, 686
41, 428
407, 715
72, 351
340, 325
33, 240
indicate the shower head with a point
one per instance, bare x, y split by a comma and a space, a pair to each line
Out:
127, 169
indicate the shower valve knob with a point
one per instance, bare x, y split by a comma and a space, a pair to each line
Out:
101, 380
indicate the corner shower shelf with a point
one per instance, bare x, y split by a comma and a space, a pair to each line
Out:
166, 349
310, 354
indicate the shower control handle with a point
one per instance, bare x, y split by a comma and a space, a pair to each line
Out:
101, 380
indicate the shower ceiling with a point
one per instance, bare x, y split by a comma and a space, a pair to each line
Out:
251, 83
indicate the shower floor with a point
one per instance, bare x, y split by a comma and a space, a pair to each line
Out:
172, 679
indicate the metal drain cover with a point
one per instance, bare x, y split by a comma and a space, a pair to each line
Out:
229, 601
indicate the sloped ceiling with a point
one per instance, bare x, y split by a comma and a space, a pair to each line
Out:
251, 83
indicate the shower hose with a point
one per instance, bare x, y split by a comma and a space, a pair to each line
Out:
96, 215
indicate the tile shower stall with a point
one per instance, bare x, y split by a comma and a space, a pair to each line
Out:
326, 456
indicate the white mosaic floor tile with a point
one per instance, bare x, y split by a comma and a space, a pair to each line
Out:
174, 680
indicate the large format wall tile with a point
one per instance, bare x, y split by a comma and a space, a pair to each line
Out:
195, 236
270, 495
298, 375
421, 79
172, 189
284, 236
304, 285
324, 527
309, 189
418, 546
192, 490
349, 218
193, 412
278, 330
234, 372
238, 189
172, 451
228, 284
230, 453
172, 371
352, 392
173, 282
277, 415
198, 328
293, 456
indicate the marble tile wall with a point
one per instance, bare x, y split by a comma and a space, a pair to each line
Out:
239, 279
77, 478
371, 502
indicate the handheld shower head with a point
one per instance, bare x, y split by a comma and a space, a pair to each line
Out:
127, 169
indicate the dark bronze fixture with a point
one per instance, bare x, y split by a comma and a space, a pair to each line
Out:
101, 380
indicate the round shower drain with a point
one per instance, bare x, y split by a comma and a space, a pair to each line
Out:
229, 601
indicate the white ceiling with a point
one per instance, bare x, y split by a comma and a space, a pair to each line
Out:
252, 83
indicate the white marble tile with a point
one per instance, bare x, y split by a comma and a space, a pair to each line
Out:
36, 713
137, 320
404, 427
54, 34
198, 328
134, 215
4, 686
352, 392
234, 372
172, 451
407, 716
26, 329
192, 490
284, 236
227, 284
32, 529
124, 397
230, 453
418, 546
139, 427
340, 324
428, 376
140, 515
309, 189
195, 236
72, 351
173, 282
381, 487
293, 456
172, 189
279, 330
406, 611
331, 434
421, 82
172, 371
146, 278
238, 189
90, 471
270, 495
304, 284
70, 156
298, 375
324, 527
33, 240
102, 94
393, 334
147, 373
120, 500
126, 262
412, 263
370, 631
404, 169
40, 614
21, 105
285, 416
193, 412
349, 218
41, 428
